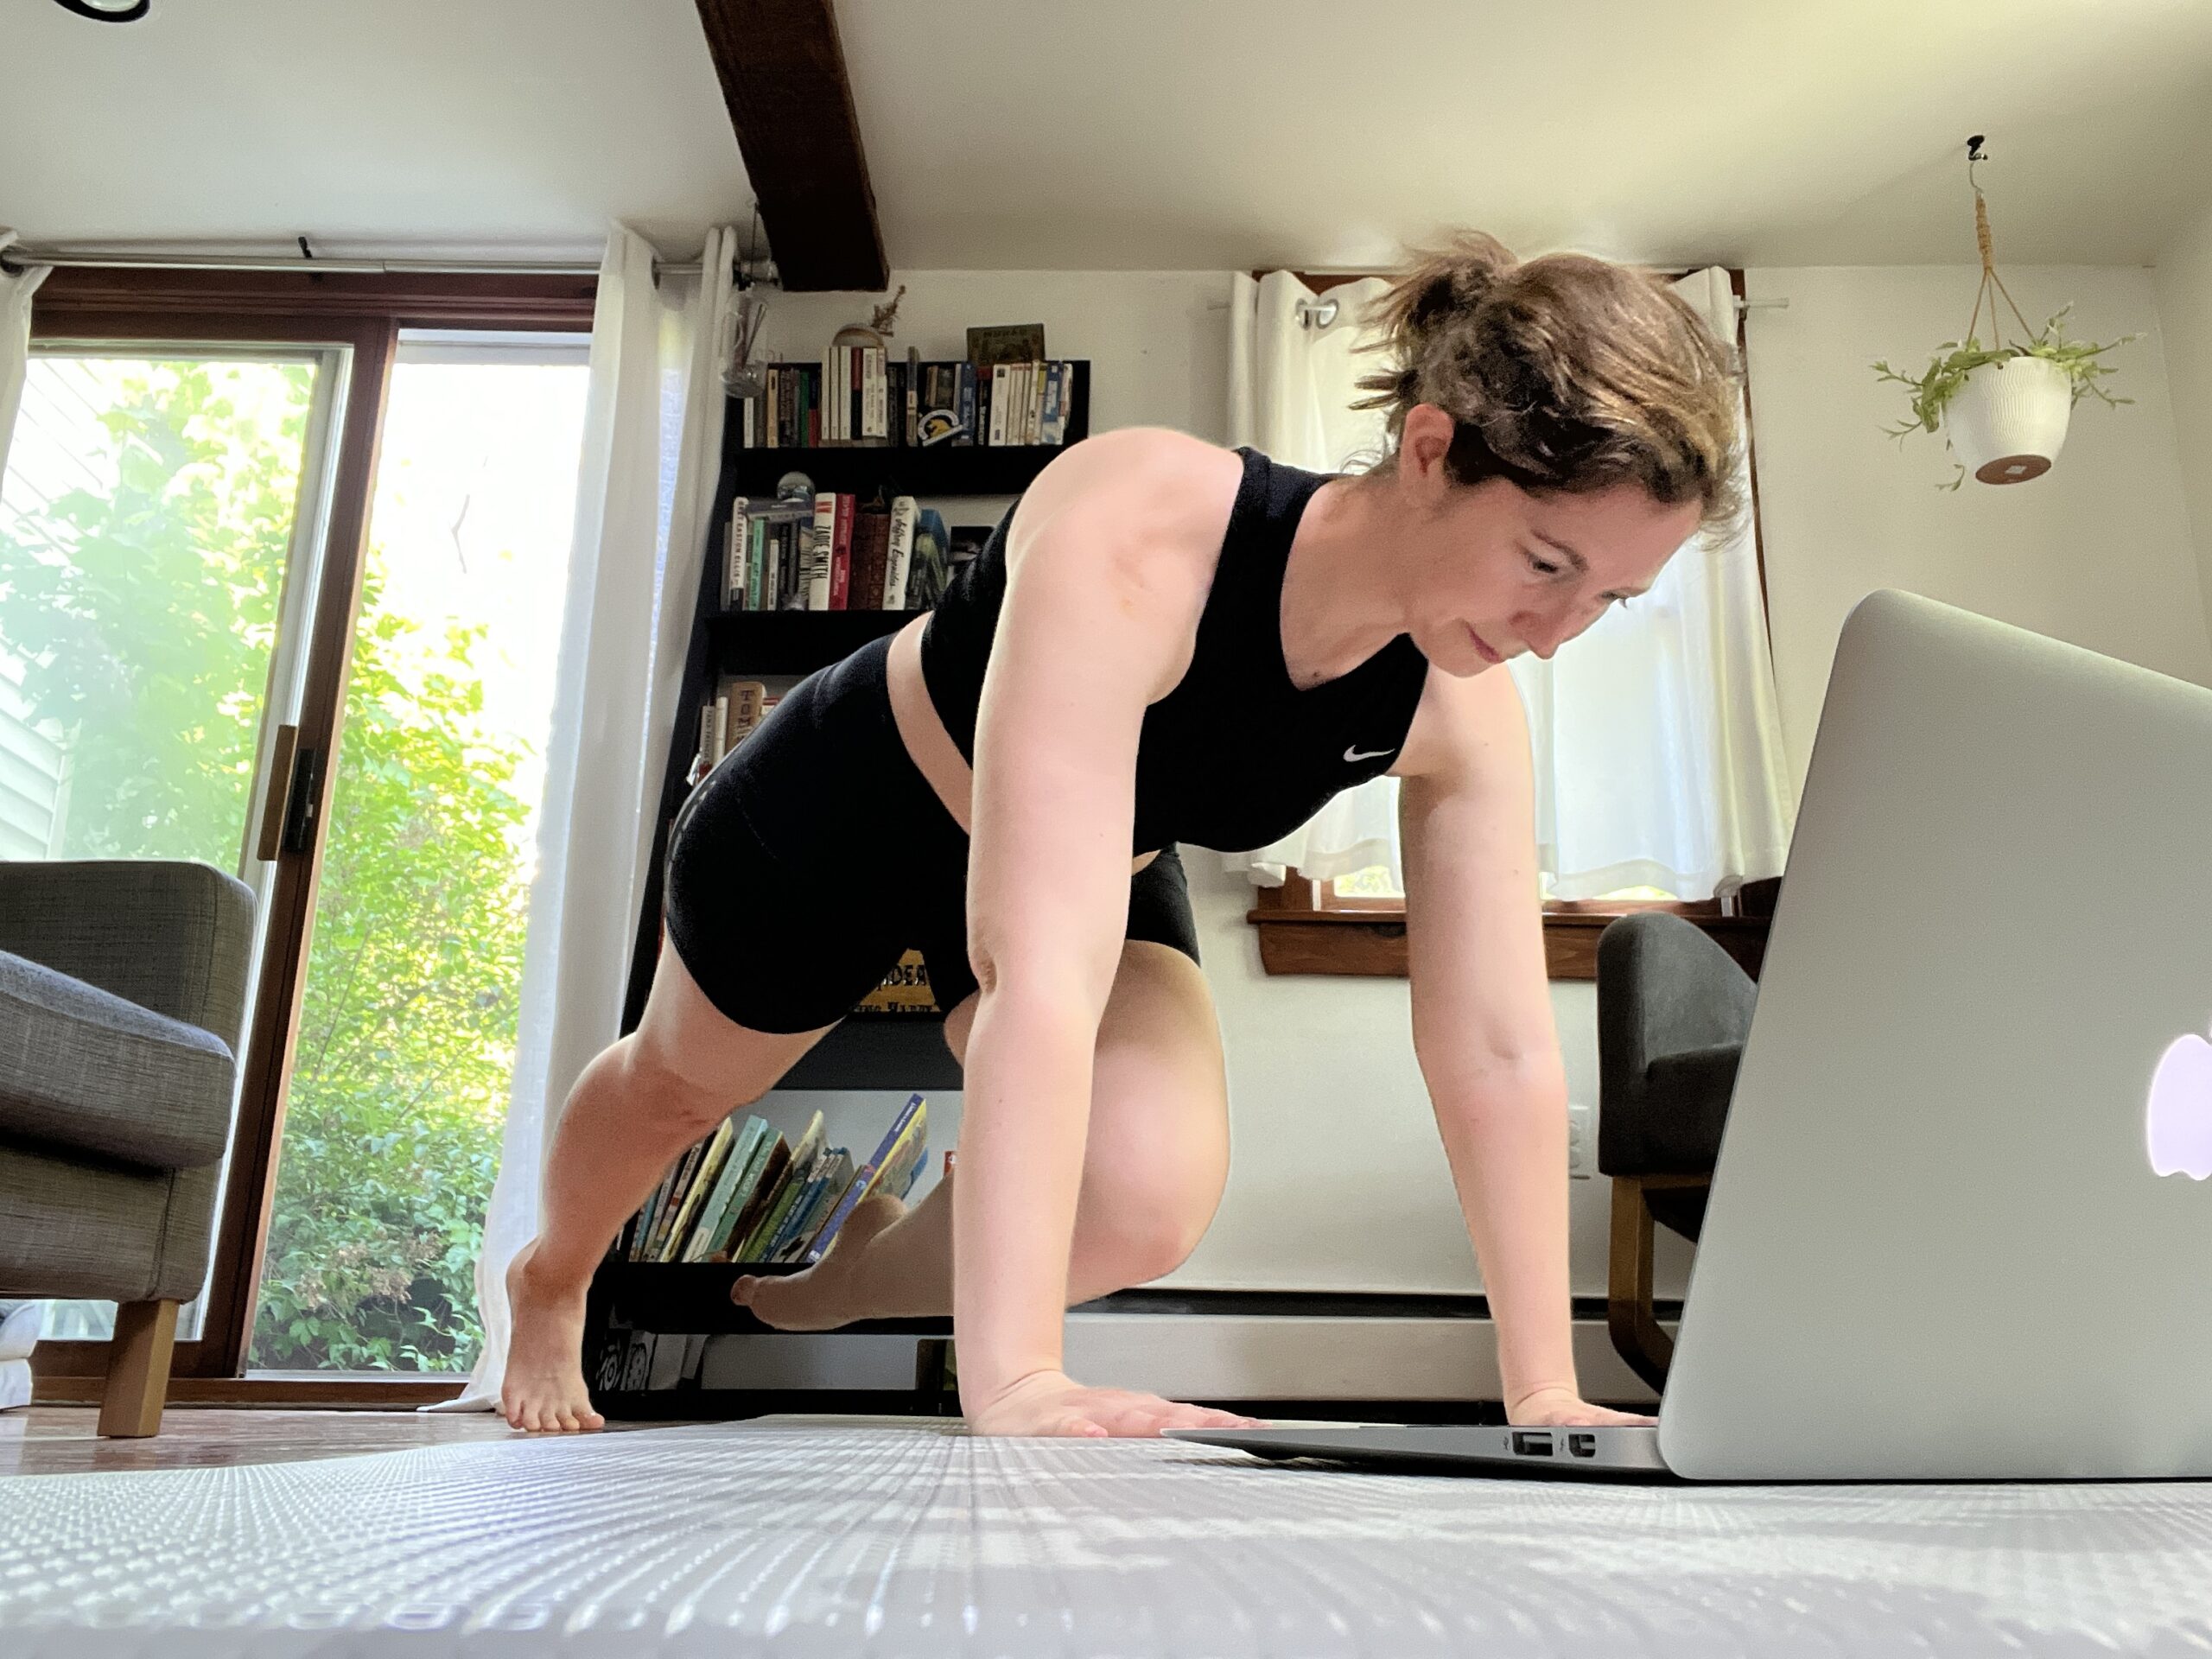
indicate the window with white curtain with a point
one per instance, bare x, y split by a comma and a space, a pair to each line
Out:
1656, 735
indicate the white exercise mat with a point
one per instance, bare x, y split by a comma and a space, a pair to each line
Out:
798, 1538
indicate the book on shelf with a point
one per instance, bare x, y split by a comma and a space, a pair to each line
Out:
820, 547
841, 554
746, 1195
903, 990
899, 550
859, 396
890, 1169
871, 557
911, 403
732, 714
750, 1247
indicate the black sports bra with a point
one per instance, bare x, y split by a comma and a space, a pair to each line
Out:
1236, 755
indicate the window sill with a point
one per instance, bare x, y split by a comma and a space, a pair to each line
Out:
1370, 941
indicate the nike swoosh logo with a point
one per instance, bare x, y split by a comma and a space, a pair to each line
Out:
1356, 755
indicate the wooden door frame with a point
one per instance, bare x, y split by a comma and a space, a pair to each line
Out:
365, 314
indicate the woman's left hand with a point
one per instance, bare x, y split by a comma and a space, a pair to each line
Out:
1564, 1408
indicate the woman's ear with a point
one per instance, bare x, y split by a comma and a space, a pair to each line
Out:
1423, 442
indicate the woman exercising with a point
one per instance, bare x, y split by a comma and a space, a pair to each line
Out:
1166, 641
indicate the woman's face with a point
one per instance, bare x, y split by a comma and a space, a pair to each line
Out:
1510, 572
1497, 571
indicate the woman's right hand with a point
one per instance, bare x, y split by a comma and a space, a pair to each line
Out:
1053, 1403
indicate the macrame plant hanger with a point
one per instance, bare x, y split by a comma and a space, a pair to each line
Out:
1990, 279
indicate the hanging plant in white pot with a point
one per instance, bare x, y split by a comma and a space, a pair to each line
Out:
2003, 407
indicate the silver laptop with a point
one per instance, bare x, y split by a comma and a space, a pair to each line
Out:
1961, 1225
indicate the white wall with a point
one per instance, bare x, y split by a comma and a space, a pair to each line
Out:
2182, 278
2097, 551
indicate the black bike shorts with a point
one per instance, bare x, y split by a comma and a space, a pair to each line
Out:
816, 854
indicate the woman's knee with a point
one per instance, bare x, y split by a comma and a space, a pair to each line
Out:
646, 1079
1157, 1156
1133, 1226
688, 1061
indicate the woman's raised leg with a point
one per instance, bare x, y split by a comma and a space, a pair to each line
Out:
1153, 1164
633, 1110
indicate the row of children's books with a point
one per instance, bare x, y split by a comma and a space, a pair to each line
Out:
847, 558
745, 1194
853, 397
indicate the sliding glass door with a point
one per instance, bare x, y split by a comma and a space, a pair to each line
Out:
398, 1097
160, 524
281, 564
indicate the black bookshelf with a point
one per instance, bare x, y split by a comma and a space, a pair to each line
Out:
889, 1051
799, 642
693, 1299
941, 469
900, 469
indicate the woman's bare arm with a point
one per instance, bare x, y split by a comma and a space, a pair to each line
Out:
1483, 1025
1110, 559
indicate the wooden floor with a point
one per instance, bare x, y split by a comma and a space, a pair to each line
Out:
64, 1439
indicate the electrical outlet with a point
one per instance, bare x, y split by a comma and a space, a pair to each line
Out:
1581, 1141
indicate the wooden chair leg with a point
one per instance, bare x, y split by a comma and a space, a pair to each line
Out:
1629, 1316
138, 1369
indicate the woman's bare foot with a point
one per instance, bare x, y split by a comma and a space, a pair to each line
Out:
821, 1298
544, 1387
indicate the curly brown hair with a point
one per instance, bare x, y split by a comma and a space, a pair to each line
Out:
1567, 373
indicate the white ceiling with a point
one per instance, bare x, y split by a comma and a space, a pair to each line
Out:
1138, 133
464, 123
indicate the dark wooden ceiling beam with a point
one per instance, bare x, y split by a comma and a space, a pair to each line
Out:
783, 76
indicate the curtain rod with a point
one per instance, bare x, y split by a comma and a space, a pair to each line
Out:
15, 256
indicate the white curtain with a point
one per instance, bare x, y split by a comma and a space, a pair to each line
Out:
19, 1321
1293, 379
1656, 736
16, 293
651, 454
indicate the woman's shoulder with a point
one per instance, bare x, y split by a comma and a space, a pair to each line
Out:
1159, 450
1155, 491
1146, 461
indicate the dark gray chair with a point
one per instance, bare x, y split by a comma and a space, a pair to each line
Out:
122, 988
1673, 1011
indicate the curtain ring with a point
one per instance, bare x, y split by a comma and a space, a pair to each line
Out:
1315, 314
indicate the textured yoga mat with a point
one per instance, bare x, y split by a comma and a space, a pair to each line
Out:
803, 1538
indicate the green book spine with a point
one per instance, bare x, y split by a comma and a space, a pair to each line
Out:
770, 1223
744, 1155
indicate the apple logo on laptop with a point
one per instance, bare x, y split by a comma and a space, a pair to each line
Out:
2178, 1117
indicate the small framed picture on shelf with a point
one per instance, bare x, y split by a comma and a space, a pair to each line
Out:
1013, 342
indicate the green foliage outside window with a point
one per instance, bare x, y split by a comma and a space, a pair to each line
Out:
146, 617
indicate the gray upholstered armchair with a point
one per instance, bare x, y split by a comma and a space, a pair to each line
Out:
122, 990
1673, 1011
